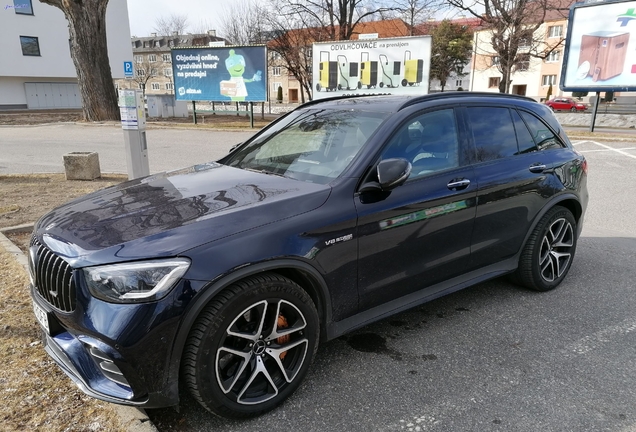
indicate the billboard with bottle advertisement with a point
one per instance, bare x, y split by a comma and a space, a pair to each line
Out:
372, 66
600, 47
218, 74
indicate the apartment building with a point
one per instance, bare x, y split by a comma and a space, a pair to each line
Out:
532, 76
152, 62
36, 71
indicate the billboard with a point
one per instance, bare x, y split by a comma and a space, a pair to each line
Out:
600, 48
392, 65
230, 73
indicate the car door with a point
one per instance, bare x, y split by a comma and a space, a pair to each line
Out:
418, 234
513, 182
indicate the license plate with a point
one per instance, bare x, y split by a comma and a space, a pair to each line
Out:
42, 317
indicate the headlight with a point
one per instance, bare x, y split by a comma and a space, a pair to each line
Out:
135, 282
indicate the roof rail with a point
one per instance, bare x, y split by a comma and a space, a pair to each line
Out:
454, 94
333, 98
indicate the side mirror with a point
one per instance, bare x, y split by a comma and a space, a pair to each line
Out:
391, 174
234, 147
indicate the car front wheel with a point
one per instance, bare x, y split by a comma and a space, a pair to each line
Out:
573, 109
547, 256
251, 347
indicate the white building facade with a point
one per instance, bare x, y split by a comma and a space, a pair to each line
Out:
36, 69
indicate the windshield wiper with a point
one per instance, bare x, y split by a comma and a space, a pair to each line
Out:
262, 171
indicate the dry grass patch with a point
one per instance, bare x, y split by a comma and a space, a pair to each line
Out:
34, 393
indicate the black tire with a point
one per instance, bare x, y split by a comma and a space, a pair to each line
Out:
234, 370
318, 86
404, 83
359, 85
381, 84
547, 255
573, 109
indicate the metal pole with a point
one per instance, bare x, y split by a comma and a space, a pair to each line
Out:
598, 99
262, 110
194, 111
252, 115
237, 110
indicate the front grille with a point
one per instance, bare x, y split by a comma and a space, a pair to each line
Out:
53, 277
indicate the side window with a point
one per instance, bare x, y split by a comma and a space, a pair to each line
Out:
524, 139
429, 141
543, 137
493, 133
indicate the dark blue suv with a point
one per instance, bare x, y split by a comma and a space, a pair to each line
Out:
225, 276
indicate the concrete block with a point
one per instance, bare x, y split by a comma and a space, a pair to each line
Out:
82, 166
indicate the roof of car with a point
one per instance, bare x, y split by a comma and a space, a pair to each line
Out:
392, 103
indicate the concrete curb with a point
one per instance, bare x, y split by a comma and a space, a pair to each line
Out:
130, 418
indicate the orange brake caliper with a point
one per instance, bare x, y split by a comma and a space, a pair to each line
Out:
282, 324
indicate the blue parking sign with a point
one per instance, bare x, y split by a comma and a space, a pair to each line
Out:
128, 68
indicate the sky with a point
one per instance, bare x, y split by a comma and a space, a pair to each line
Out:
143, 13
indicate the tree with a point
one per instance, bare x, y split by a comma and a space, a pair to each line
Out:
609, 96
513, 26
144, 70
451, 50
245, 22
171, 24
337, 18
279, 94
549, 93
579, 95
414, 12
89, 51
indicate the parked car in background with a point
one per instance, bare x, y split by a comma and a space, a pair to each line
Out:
224, 277
566, 104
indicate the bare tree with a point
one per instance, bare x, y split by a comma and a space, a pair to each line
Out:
245, 22
337, 18
167, 25
201, 27
89, 51
144, 70
513, 26
413, 12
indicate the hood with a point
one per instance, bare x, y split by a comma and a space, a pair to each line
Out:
169, 213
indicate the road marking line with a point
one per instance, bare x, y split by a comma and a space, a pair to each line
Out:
595, 340
604, 150
616, 150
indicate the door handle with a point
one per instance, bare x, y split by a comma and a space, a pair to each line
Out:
537, 168
458, 184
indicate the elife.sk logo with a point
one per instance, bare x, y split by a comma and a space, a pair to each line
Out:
626, 17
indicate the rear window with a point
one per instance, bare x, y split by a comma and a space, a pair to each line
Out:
542, 135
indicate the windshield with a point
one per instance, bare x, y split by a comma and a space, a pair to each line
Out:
313, 145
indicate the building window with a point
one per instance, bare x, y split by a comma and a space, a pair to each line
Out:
155, 86
493, 82
524, 43
153, 72
146, 45
494, 60
276, 71
167, 72
554, 56
166, 58
134, 44
141, 72
141, 86
139, 59
170, 43
275, 86
555, 31
523, 64
152, 58
30, 46
546, 80
458, 83
275, 55
157, 44
22, 7
169, 86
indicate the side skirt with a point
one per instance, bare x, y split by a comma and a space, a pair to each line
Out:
417, 298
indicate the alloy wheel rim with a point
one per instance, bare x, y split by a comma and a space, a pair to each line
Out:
262, 351
556, 250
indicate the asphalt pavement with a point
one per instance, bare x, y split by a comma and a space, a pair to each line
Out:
493, 357
29, 149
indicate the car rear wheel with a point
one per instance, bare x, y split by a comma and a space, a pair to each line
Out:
547, 256
251, 347
573, 109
